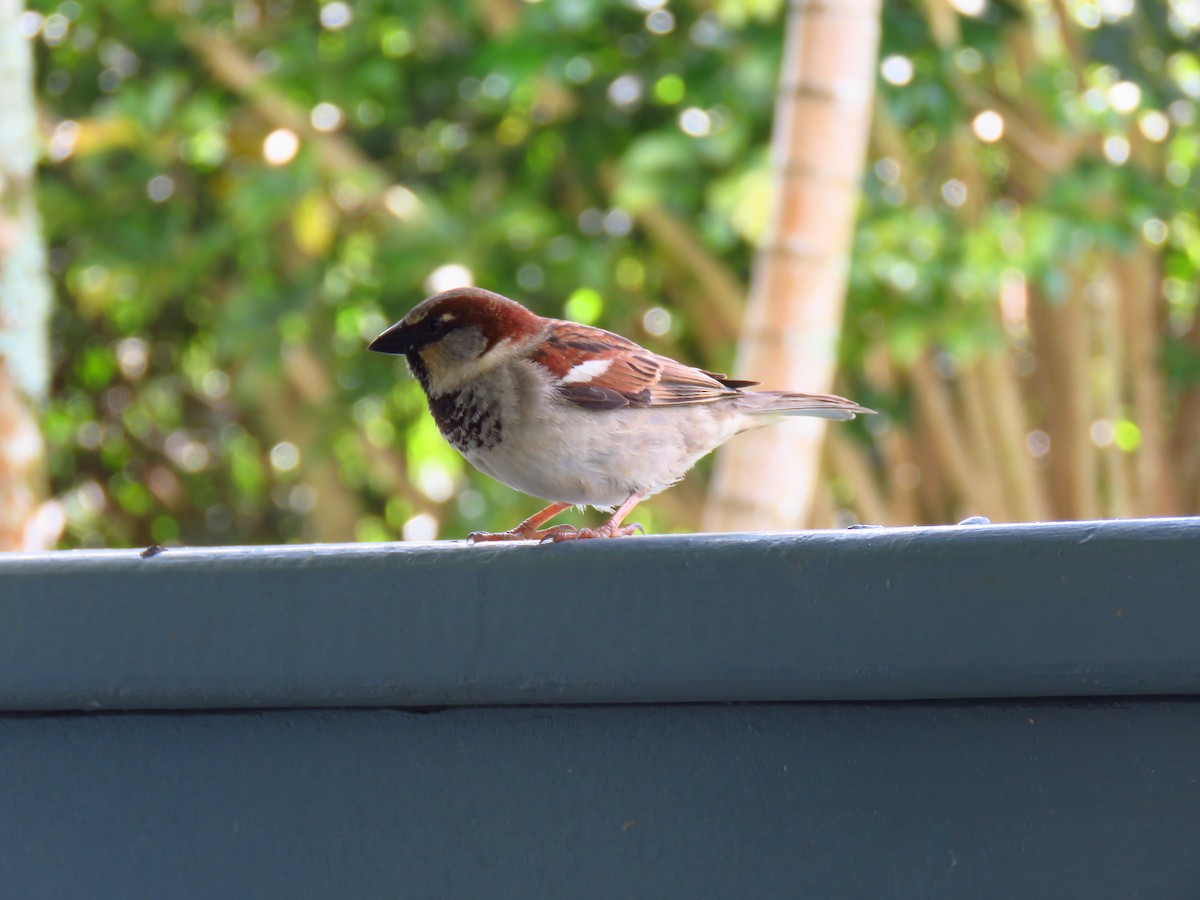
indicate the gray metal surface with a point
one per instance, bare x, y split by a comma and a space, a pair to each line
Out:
983, 611
978, 800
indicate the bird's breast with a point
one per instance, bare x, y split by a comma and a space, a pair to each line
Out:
468, 419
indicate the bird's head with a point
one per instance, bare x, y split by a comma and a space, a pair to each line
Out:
457, 335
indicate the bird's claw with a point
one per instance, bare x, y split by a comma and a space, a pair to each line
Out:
516, 534
571, 533
559, 533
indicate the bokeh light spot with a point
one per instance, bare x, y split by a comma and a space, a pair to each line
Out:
280, 147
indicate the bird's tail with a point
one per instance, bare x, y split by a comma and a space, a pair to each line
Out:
784, 403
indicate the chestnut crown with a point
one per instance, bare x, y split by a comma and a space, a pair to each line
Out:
490, 316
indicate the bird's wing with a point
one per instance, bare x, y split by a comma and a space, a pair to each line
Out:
597, 369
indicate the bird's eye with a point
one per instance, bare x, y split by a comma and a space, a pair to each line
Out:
433, 325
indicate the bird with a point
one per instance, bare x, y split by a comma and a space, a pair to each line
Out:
570, 413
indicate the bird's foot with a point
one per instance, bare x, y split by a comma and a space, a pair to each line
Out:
526, 531
607, 530
519, 533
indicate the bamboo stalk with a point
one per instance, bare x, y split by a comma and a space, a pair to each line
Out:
1185, 449
1009, 426
1072, 45
1061, 340
948, 443
1035, 156
1185, 436
793, 321
904, 490
21, 469
1050, 392
1112, 360
1081, 452
894, 443
847, 460
27, 520
940, 500
979, 409
1137, 293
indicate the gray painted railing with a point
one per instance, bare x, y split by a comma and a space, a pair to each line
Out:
708, 716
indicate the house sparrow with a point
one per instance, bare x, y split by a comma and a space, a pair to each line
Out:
570, 413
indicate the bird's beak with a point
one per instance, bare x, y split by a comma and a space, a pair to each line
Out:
397, 340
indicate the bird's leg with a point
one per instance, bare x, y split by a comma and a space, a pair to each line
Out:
526, 531
610, 529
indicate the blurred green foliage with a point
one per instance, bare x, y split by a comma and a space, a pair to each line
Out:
238, 196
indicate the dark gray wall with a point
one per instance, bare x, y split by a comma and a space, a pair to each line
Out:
574, 740
980, 800
1003, 611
